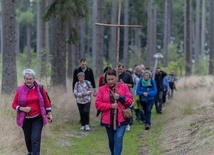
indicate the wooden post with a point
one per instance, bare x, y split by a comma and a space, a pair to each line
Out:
117, 49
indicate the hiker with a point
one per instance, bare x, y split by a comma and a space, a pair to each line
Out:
89, 75
126, 78
33, 111
159, 75
166, 89
139, 113
101, 78
82, 93
105, 102
172, 79
146, 89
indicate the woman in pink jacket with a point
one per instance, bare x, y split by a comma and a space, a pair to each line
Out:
33, 111
105, 103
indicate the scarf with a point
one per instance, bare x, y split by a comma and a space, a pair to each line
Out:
146, 83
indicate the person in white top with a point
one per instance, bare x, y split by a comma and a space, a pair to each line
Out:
82, 93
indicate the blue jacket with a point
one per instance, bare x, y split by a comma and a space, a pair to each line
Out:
166, 83
151, 90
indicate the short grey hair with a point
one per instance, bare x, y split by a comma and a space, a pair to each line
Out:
81, 74
137, 68
29, 71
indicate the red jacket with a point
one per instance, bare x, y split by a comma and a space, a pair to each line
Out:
103, 103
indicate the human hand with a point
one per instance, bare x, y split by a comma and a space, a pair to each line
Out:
84, 94
25, 109
114, 105
116, 96
94, 93
49, 117
145, 94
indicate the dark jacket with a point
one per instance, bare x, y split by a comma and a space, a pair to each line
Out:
89, 75
159, 80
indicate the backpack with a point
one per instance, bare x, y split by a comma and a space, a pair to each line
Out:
40, 88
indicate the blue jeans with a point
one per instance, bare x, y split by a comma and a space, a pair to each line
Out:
115, 138
32, 128
147, 107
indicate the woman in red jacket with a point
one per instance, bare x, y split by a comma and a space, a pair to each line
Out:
105, 103
33, 110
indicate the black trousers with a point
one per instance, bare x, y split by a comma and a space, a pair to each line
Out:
159, 101
32, 128
84, 111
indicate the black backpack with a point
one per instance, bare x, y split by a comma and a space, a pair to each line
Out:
40, 88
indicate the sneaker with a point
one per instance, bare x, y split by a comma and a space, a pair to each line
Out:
147, 127
82, 128
128, 127
87, 128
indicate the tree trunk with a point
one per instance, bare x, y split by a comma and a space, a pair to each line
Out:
211, 62
9, 74
69, 60
188, 39
82, 38
100, 34
203, 27
1, 36
28, 45
38, 36
166, 33
28, 32
197, 34
126, 34
113, 34
17, 40
58, 70
150, 28
154, 33
94, 36
43, 52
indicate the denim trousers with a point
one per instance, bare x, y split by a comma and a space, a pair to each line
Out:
84, 111
159, 101
115, 138
32, 128
147, 107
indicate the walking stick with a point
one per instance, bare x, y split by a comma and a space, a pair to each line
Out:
118, 44
156, 56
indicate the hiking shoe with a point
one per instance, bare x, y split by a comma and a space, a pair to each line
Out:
82, 128
128, 127
147, 127
87, 128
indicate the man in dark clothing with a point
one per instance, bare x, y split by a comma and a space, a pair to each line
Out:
126, 78
89, 75
159, 76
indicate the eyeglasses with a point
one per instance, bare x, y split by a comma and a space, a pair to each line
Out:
29, 79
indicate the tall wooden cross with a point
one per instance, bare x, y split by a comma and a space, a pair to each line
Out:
118, 44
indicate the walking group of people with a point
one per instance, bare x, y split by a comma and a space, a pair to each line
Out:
134, 89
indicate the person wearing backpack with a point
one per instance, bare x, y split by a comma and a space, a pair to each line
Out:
89, 75
146, 89
82, 93
33, 111
159, 79
139, 113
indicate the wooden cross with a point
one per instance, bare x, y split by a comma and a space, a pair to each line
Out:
118, 44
